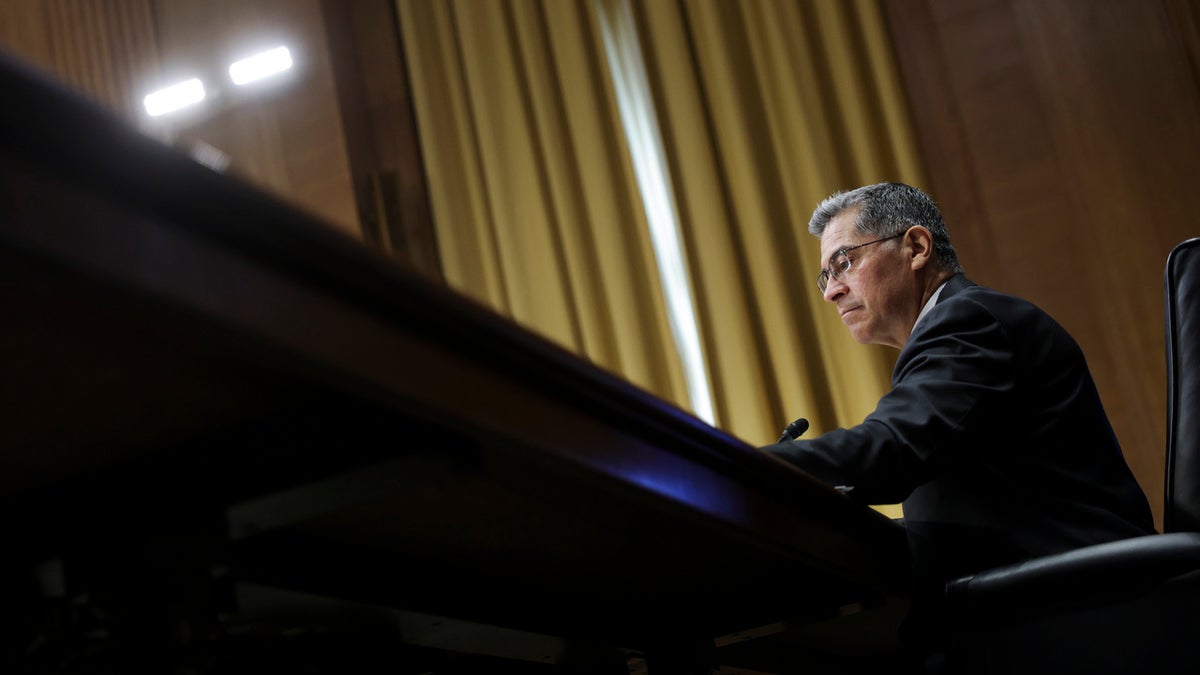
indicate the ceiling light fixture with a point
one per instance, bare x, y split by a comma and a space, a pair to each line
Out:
263, 64
174, 97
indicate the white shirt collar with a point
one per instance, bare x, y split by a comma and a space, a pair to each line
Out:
930, 303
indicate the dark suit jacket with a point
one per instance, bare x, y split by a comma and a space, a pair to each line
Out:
994, 438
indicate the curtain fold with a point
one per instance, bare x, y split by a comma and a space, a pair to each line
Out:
533, 198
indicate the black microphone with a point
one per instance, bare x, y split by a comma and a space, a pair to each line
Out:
794, 430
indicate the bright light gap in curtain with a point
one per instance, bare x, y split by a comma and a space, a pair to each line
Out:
645, 147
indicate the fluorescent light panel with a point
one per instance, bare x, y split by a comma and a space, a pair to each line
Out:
174, 97
263, 64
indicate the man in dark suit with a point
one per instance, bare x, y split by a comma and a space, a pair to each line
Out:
993, 435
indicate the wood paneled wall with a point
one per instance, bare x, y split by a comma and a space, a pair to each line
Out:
287, 138
381, 130
1063, 143
106, 48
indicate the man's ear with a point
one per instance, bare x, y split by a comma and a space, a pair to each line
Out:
920, 246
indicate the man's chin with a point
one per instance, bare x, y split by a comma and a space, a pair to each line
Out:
860, 334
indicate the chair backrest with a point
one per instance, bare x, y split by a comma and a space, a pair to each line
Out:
1182, 290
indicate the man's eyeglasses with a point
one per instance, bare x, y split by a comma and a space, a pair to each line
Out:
839, 263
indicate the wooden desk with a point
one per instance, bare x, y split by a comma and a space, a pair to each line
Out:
197, 375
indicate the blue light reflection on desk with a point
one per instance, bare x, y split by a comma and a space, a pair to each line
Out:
702, 495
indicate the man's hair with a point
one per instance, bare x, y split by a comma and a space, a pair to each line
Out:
888, 209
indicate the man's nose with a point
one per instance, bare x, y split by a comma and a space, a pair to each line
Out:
834, 289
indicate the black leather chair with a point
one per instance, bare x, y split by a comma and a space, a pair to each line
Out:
1129, 606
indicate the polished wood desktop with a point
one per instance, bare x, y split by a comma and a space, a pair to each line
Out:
201, 382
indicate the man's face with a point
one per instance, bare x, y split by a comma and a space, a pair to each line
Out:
872, 296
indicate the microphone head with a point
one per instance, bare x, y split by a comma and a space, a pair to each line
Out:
794, 430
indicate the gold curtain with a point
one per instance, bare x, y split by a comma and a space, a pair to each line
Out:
765, 107
532, 192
